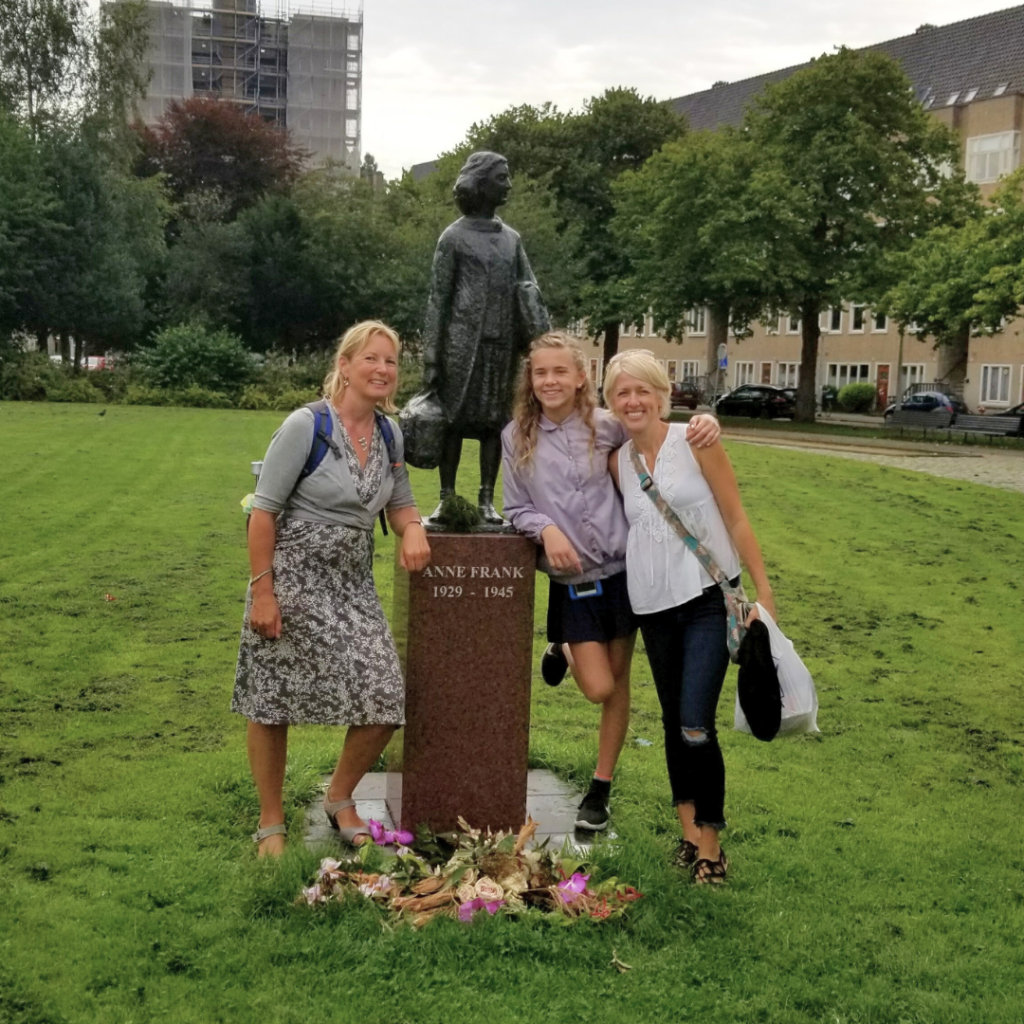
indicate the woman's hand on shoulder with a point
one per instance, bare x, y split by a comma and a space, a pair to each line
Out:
703, 430
415, 552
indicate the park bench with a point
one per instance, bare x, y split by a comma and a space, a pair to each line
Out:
922, 420
999, 426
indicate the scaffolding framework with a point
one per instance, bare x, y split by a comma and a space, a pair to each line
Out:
297, 65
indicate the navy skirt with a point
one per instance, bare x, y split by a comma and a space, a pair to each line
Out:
602, 618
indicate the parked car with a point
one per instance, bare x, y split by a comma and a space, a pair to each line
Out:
685, 395
1017, 410
756, 400
929, 401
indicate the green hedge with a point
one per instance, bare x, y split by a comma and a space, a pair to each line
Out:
859, 397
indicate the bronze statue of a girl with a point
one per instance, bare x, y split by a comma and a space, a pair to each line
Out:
484, 309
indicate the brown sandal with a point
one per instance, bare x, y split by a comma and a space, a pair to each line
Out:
685, 855
711, 872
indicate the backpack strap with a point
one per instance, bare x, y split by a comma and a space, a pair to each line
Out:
323, 441
387, 431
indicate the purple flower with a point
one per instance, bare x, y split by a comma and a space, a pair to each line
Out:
313, 894
467, 910
403, 838
385, 837
573, 887
376, 831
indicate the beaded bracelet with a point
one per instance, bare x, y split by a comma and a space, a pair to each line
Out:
260, 575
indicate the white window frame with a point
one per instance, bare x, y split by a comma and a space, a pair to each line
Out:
596, 371
787, 375
790, 320
743, 373
829, 317
987, 161
697, 325
997, 379
910, 373
855, 311
672, 369
690, 369
875, 329
839, 374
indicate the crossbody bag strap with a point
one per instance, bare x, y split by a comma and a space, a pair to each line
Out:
650, 488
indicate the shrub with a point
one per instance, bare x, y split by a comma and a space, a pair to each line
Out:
859, 397
201, 398
140, 394
74, 389
192, 356
253, 397
291, 399
28, 376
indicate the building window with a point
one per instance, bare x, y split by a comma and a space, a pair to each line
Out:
792, 324
911, 373
835, 319
879, 323
787, 375
691, 369
989, 157
353, 41
672, 368
856, 319
596, 371
995, 385
744, 373
699, 320
351, 127
351, 100
841, 374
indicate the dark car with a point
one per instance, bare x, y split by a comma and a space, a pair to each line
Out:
685, 395
929, 401
1017, 410
756, 400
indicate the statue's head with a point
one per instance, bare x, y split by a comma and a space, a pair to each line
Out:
483, 184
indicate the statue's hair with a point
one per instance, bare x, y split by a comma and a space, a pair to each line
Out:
527, 410
352, 342
639, 363
471, 177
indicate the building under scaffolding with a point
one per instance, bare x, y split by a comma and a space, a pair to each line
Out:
300, 67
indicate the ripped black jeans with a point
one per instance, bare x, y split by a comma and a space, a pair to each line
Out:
688, 655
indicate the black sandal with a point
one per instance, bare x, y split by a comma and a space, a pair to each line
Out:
710, 872
685, 855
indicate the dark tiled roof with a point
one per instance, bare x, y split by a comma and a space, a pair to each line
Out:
980, 53
423, 170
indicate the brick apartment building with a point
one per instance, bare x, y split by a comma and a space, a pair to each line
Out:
970, 76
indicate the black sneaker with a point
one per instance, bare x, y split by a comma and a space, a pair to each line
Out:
553, 665
592, 813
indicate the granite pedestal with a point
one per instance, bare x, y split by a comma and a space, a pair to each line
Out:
464, 630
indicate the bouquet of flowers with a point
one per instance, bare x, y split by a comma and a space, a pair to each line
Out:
474, 872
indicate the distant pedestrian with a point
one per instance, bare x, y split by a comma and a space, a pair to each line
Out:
315, 643
680, 608
557, 491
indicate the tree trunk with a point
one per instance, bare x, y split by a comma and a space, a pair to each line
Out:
611, 341
806, 392
65, 347
43, 340
76, 365
952, 360
718, 334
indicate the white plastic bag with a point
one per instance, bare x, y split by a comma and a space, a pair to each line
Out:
799, 698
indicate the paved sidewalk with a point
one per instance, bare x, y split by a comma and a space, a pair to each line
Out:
995, 468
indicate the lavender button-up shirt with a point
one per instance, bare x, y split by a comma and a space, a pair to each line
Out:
567, 484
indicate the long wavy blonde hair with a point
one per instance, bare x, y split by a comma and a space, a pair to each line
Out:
526, 411
352, 342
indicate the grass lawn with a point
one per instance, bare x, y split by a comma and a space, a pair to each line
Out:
878, 869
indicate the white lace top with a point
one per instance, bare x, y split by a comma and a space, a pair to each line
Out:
661, 571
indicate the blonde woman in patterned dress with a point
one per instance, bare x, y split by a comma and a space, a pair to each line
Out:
315, 644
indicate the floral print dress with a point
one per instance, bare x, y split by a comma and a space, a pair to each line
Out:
335, 661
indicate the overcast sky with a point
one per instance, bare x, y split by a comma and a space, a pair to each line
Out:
432, 69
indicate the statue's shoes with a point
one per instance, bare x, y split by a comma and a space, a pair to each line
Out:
490, 515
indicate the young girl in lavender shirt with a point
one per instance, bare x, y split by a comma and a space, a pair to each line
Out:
557, 491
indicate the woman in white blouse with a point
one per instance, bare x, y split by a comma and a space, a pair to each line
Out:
680, 607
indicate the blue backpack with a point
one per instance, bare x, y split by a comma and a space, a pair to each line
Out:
323, 443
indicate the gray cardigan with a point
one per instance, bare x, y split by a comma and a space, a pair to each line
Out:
328, 494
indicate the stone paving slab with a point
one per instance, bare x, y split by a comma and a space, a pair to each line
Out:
549, 801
